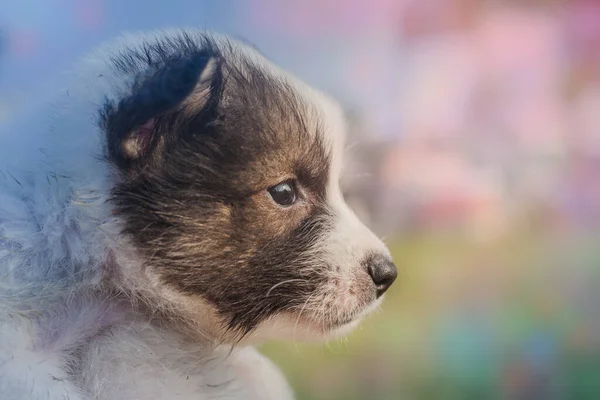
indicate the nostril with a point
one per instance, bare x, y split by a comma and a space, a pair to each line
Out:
384, 273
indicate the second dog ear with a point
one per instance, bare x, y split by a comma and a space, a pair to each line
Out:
134, 127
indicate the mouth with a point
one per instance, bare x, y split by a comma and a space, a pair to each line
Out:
312, 328
339, 323
354, 318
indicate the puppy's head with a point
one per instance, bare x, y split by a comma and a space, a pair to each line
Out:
228, 188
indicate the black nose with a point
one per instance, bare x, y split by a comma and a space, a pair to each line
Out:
383, 272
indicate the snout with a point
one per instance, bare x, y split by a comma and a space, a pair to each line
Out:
383, 272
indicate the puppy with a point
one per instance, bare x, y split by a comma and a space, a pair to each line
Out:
176, 204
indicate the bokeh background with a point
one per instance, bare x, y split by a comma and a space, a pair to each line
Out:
474, 149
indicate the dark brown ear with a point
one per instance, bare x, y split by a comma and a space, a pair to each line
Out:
135, 127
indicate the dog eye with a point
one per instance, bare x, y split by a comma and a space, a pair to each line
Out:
284, 193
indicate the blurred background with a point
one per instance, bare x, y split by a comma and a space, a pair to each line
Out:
474, 150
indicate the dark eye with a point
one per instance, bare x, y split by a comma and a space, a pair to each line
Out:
284, 194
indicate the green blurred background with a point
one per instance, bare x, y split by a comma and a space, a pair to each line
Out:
474, 148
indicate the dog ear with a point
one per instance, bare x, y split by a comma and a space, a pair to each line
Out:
136, 128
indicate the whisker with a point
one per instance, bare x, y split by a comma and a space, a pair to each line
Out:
283, 283
300, 314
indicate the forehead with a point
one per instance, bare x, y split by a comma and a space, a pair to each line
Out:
246, 59
279, 116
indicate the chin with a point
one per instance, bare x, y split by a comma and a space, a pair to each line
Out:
298, 328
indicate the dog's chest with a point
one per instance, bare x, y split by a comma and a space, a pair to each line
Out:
139, 362
76, 357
